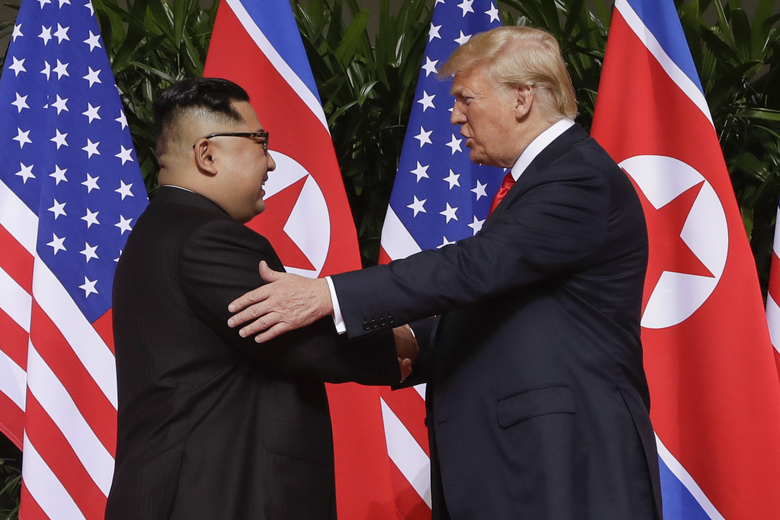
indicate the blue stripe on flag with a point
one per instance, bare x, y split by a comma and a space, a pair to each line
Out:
678, 502
662, 20
276, 21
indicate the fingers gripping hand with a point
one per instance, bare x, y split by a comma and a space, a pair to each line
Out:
285, 303
407, 349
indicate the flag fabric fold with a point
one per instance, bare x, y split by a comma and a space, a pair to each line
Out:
439, 196
70, 192
713, 382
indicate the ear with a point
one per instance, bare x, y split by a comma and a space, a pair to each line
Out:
524, 101
205, 152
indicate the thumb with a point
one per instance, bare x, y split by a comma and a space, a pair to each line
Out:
266, 273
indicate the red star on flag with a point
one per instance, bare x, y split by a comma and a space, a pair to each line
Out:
271, 224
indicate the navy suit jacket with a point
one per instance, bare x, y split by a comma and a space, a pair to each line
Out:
537, 401
212, 425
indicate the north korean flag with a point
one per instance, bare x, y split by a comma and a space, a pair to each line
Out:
256, 43
714, 387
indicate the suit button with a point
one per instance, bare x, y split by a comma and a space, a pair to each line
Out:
382, 323
366, 326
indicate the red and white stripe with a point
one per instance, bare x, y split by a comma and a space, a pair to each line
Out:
403, 411
57, 380
773, 295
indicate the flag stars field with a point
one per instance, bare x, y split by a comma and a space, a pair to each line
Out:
437, 150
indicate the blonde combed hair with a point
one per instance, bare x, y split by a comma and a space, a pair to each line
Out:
519, 56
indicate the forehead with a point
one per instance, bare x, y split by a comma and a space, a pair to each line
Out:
470, 81
248, 115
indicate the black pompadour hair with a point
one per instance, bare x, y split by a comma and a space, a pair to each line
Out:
216, 95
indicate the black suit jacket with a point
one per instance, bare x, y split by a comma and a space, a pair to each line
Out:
212, 425
538, 405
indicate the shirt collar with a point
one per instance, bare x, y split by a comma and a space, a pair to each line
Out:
177, 187
541, 142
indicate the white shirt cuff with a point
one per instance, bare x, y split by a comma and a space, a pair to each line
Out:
338, 319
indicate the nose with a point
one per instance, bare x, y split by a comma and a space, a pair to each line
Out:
271, 163
457, 117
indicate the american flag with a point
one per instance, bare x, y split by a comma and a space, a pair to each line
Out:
70, 192
713, 381
439, 197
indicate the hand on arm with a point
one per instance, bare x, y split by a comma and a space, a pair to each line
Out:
287, 302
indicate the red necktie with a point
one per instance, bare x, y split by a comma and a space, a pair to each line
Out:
509, 181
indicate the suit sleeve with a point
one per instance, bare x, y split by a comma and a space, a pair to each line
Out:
550, 229
219, 262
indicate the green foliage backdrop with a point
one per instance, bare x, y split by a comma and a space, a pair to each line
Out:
367, 81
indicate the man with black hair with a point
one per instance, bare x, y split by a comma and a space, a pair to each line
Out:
212, 425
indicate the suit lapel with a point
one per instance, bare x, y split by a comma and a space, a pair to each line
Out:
530, 176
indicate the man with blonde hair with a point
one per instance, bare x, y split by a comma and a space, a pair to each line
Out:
537, 401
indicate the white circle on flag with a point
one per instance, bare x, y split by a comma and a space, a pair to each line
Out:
309, 222
677, 296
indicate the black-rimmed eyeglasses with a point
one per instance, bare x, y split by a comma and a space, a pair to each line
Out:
258, 137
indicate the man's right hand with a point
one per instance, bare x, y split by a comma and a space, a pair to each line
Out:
287, 302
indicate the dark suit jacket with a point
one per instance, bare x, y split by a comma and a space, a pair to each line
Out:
538, 405
212, 425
